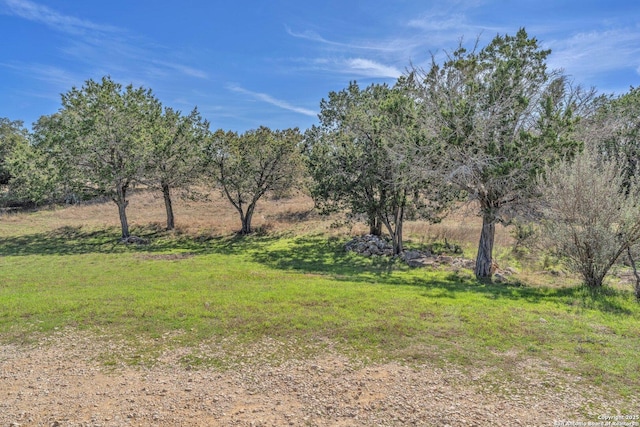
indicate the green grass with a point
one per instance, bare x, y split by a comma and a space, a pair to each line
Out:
181, 291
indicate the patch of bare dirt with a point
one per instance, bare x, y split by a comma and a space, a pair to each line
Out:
60, 383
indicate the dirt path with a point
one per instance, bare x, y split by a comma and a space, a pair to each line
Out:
60, 384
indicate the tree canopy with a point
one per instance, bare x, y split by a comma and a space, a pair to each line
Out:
367, 155
502, 117
174, 156
249, 165
98, 139
13, 136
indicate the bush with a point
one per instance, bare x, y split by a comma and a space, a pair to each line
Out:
591, 214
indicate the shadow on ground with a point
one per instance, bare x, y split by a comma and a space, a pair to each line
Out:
316, 254
77, 241
322, 255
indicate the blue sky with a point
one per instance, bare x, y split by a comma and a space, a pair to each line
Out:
251, 63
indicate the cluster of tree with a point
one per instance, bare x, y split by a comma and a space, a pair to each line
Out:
106, 139
494, 126
368, 156
482, 125
491, 125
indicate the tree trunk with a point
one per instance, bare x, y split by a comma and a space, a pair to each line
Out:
375, 226
485, 247
121, 201
166, 192
246, 220
397, 243
592, 275
395, 230
398, 247
594, 282
635, 273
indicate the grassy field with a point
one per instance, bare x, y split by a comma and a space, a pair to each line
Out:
64, 268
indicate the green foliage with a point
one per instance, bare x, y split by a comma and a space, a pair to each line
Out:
502, 117
522, 232
175, 150
26, 170
249, 165
13, 136
34, 178
615, 129
368, 156
98, 138
174, 157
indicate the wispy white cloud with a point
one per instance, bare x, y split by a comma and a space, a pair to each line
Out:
104, 47
598, 51
439, 22
271, 100
369, 68
371, 59
315, 37
184, 69
56, 76
309, 35
353, 67
39, 13
442, 30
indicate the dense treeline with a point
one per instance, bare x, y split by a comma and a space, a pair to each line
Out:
491, 125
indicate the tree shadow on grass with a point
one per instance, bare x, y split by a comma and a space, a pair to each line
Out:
307, 254
319, 255
69, 240
61, 241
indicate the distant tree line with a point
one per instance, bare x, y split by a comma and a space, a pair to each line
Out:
491, 125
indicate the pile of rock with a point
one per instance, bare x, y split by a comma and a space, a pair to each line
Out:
134, 240
369, 245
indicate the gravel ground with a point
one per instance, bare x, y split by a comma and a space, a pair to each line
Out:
60, 382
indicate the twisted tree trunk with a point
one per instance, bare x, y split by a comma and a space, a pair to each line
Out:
122, 202
484, 260
166, 192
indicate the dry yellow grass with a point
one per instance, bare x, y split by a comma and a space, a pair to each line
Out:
462, 226
216, 216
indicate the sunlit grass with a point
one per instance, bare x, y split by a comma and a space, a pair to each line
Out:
183, 289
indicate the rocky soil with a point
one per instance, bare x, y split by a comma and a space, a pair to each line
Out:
60, 382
